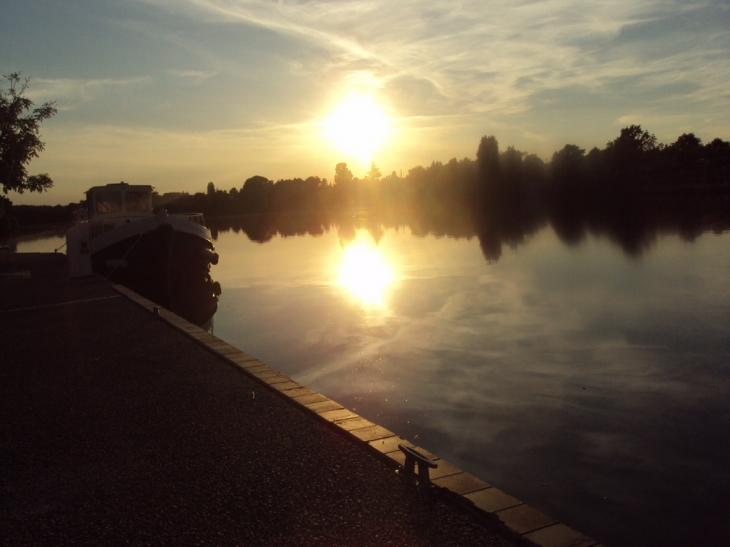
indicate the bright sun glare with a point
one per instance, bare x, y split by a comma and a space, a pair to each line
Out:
358, 126
365, 273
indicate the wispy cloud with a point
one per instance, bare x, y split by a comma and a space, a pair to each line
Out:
494, 56
193, 74
69, 93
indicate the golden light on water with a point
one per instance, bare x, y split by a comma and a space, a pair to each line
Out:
365, 273
358, 126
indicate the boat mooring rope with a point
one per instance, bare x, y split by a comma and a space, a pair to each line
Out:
122, 259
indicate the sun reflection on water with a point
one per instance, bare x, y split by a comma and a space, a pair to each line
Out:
365, 273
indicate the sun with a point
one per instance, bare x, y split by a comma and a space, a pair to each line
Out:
358, 126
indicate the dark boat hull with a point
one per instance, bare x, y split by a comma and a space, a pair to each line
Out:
167, 266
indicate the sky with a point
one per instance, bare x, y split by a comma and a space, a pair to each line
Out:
177, 93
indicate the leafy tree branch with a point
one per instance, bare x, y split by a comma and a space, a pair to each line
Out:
20, 137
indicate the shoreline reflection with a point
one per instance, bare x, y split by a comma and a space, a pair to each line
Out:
631, 225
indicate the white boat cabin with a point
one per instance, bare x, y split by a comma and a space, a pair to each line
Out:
119, 201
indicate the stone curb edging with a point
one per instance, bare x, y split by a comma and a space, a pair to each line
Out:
475, 495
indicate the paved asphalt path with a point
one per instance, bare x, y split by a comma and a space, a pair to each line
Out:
115, 429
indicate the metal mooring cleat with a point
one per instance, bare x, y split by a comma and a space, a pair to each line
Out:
424, 464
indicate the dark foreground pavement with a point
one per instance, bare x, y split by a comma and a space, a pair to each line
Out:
116, 429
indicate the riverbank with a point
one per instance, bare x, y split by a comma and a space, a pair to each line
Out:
126, 427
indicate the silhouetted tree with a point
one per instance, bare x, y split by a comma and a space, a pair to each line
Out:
595, 161
511, 166
633, 140
488, 160
631, 153
374, 173
717, 153
8, 223
342, 174
688, 145
535, 170
568, 165
257, 194
344, 182
683, 160
717, 149
20, 137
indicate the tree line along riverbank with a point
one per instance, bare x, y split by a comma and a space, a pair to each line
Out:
633, 164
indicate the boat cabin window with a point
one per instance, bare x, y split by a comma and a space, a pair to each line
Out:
108, 202
137, 202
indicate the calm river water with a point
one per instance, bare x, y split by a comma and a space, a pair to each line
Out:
590, 380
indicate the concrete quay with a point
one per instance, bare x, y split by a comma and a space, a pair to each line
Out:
123, 424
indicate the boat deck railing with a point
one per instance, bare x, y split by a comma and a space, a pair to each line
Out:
194, 217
